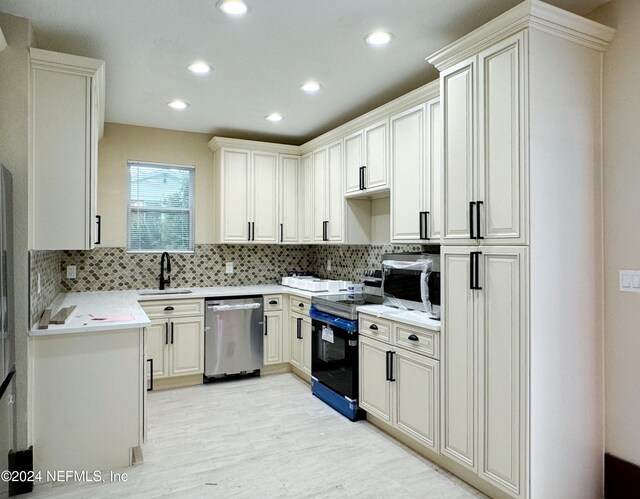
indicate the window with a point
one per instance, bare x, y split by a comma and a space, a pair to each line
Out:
160, 215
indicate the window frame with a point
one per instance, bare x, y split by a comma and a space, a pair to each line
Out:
191, 210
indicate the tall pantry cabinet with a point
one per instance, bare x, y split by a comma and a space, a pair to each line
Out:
521, 235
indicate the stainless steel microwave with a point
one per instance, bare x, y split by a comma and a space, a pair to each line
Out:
412, 281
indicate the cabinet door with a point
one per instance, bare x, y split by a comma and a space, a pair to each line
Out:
320, 189
335, 194
264, 182
289, 200
157, 348
353, 161
296, 343
272, 338
417, 397
306, 198
375, 390
234, 204
376, 157
457, 87
501, 366
407, 160
501, 130
187, 349
433, 202
306, 345
458, 358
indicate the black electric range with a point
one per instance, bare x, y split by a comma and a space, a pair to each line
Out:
344, 305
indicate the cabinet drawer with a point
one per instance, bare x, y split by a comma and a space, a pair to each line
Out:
173, 308
418, 340
299, 305
375, 328
272, 302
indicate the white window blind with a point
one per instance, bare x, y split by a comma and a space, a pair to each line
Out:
160, 215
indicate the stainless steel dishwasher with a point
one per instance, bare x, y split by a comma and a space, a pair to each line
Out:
233, 341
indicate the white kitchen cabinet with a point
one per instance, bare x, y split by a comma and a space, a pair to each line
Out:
400, 387
300, 331
328, 195
290, 203
366, 160
306, 198
415, 166
175, 341
252, 205
66, 122
484, 174
484, 368
273, 338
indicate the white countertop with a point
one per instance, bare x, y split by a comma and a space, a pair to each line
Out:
95, 304
411, 317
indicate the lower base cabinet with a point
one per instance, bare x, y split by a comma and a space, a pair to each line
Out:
401, 388
273, 345
300, 332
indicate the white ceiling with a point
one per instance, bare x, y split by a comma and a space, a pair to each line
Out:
260, 59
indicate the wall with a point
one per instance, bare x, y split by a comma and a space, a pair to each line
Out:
14, 147
621, 234
121, 143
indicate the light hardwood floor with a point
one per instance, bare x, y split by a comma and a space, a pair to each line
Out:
265, 437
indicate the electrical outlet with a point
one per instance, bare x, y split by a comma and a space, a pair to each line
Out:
39, 286
328, 263
229, 268
71, 271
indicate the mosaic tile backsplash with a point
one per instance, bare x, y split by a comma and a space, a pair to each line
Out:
47, 264
110, 269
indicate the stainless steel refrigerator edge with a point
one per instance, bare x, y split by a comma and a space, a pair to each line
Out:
233, 341
7, 332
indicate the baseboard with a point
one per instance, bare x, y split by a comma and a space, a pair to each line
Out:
301, 374
21, 460
275, 369
621, 478
177, 382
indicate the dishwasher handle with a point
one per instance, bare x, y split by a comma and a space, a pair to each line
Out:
228, 308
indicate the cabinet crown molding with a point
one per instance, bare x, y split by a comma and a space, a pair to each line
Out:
217, 142
529, 14
43, 59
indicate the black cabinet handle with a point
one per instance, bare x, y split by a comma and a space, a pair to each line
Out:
413, 337
474, 271
169, 308
471, 232
172, 333
325, 230
477, 269
362, 180
253, 231
391, 378
299, 329
249, 231
281, 232
99, 224
266, 325
374, 327
478, 204
301, 305
273, 302
424, 222
166, 333
150, 375
388, 366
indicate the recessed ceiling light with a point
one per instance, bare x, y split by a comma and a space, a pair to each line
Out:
200, 68
178, 104
233, 7
378, 38
273, 117
310, 87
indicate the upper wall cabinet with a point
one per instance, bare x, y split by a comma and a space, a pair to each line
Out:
484, 171
66, 122
328, 196
257, 192
366, 160
416, 169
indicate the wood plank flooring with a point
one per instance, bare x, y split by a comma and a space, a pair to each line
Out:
261, 438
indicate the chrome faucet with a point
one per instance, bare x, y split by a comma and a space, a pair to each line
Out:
164, 281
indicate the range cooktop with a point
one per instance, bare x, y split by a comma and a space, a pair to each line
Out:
344, 305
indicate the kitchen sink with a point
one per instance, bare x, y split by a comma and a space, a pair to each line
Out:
160, 292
